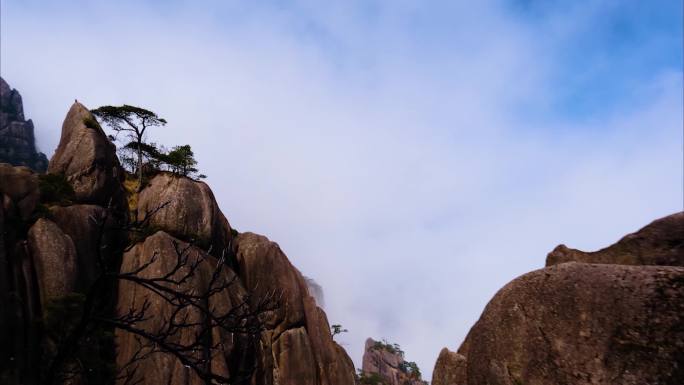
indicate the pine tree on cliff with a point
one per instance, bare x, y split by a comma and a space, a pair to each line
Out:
134, 121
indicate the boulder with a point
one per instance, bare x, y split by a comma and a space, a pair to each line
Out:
450, 369
659, 243
229, 359
54, 257
577, 323
186, 209
20, 185
87, 158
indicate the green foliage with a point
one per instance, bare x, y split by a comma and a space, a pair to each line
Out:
182, 161
123, 118
234, 232
41, 211
386, 346
370, 378
410, 368
337, 329
91, 122
54, 188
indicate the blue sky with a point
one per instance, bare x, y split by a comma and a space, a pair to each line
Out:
412, 157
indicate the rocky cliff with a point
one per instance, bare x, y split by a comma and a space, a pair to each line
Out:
152, 288
615, 316
384, 364
17, 140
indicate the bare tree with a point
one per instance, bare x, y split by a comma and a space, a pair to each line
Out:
193, 313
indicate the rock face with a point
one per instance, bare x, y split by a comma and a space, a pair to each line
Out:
551, 326
226, 360
296, 347
384, 361
616, 317
54, 256
450, 369
188, 210
659, 243
20, 189
92, 241
17, 140
87, 159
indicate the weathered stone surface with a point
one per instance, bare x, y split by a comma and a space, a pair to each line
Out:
54, 256
659, 243
82, 223
265, 270
20, 185
190, 211
17, 140
294, 359
450, 369
578, 323
334, 365
227, 360
88, 160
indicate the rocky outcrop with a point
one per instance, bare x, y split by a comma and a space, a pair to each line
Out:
659, 243
54, 248
156, 257
94, 233
614, 317
185, 208
450, 369
17, 140
19, 189
386, 362
582, 323
297, 322
54, 256
88, 160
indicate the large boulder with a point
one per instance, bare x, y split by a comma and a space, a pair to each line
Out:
268, 274
54, 257
450, 369
659, 243
87, 158
156, 257
20, 187
17, 140
186, 209
578, 323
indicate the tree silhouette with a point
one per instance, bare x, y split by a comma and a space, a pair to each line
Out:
87, 317
132, 120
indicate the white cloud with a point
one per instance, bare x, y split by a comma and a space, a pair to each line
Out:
389, 164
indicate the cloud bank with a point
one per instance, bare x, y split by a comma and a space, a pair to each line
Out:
412, 158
